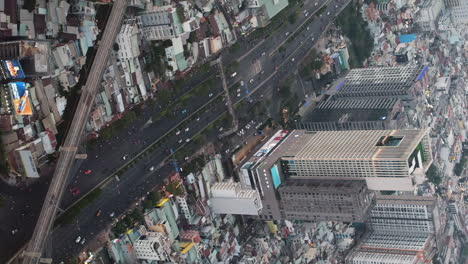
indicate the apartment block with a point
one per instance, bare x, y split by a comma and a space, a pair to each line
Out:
396, 82
160, 24
354, 114
391, 248
231, 198
326, 200
458, 10
405, 213
152, 246
386, 159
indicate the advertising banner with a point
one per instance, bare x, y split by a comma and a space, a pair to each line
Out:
13, 69
20, 98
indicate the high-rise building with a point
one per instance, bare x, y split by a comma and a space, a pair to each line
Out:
152, 246
231, 198
406, 83
458, 10
354, 114
393, 248
386, 159
404, 229
396, 82
160, 24
325, 200
428, 14
405, 213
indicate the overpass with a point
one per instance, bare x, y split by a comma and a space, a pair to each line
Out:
68, 150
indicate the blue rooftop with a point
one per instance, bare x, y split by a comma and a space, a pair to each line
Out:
408, 38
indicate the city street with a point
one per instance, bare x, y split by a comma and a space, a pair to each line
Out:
104, 158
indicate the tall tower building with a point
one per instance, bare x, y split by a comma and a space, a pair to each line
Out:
405, 213
458, 10
354, 114
388, 82
404, 230
384, 159
326, 200
393, 248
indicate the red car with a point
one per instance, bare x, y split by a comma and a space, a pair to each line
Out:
74, 191
87, 172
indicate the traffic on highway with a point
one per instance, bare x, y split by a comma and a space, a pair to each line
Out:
257, 76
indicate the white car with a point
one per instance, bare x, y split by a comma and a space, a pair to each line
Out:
210, 95
78, 239
238, 90
125, 157
112, 214
306, 14
187, 129
83, 241
238, 95
177, 133
242, 83
198, 119
187, 140
233, 74
263, 53
151, 168
293, 59
180, 141
221, 129
251, 80
307, 28
328, 13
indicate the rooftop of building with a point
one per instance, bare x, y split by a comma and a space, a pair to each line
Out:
375, 81
353, 144
351, 110
405, 199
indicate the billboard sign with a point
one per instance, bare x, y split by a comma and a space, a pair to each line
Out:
13, 69
20, 98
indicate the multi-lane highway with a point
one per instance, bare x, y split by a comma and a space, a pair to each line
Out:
33, 252
119, 195
262, 65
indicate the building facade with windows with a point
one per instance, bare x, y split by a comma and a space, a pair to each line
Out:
386, 159
393, 248
326, 200
405, 213
160, 24
458, 10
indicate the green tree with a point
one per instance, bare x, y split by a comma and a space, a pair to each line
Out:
137, 215
433, 175
292, 18
147, 204
175, 188
128, 221
119, 228
460, 166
